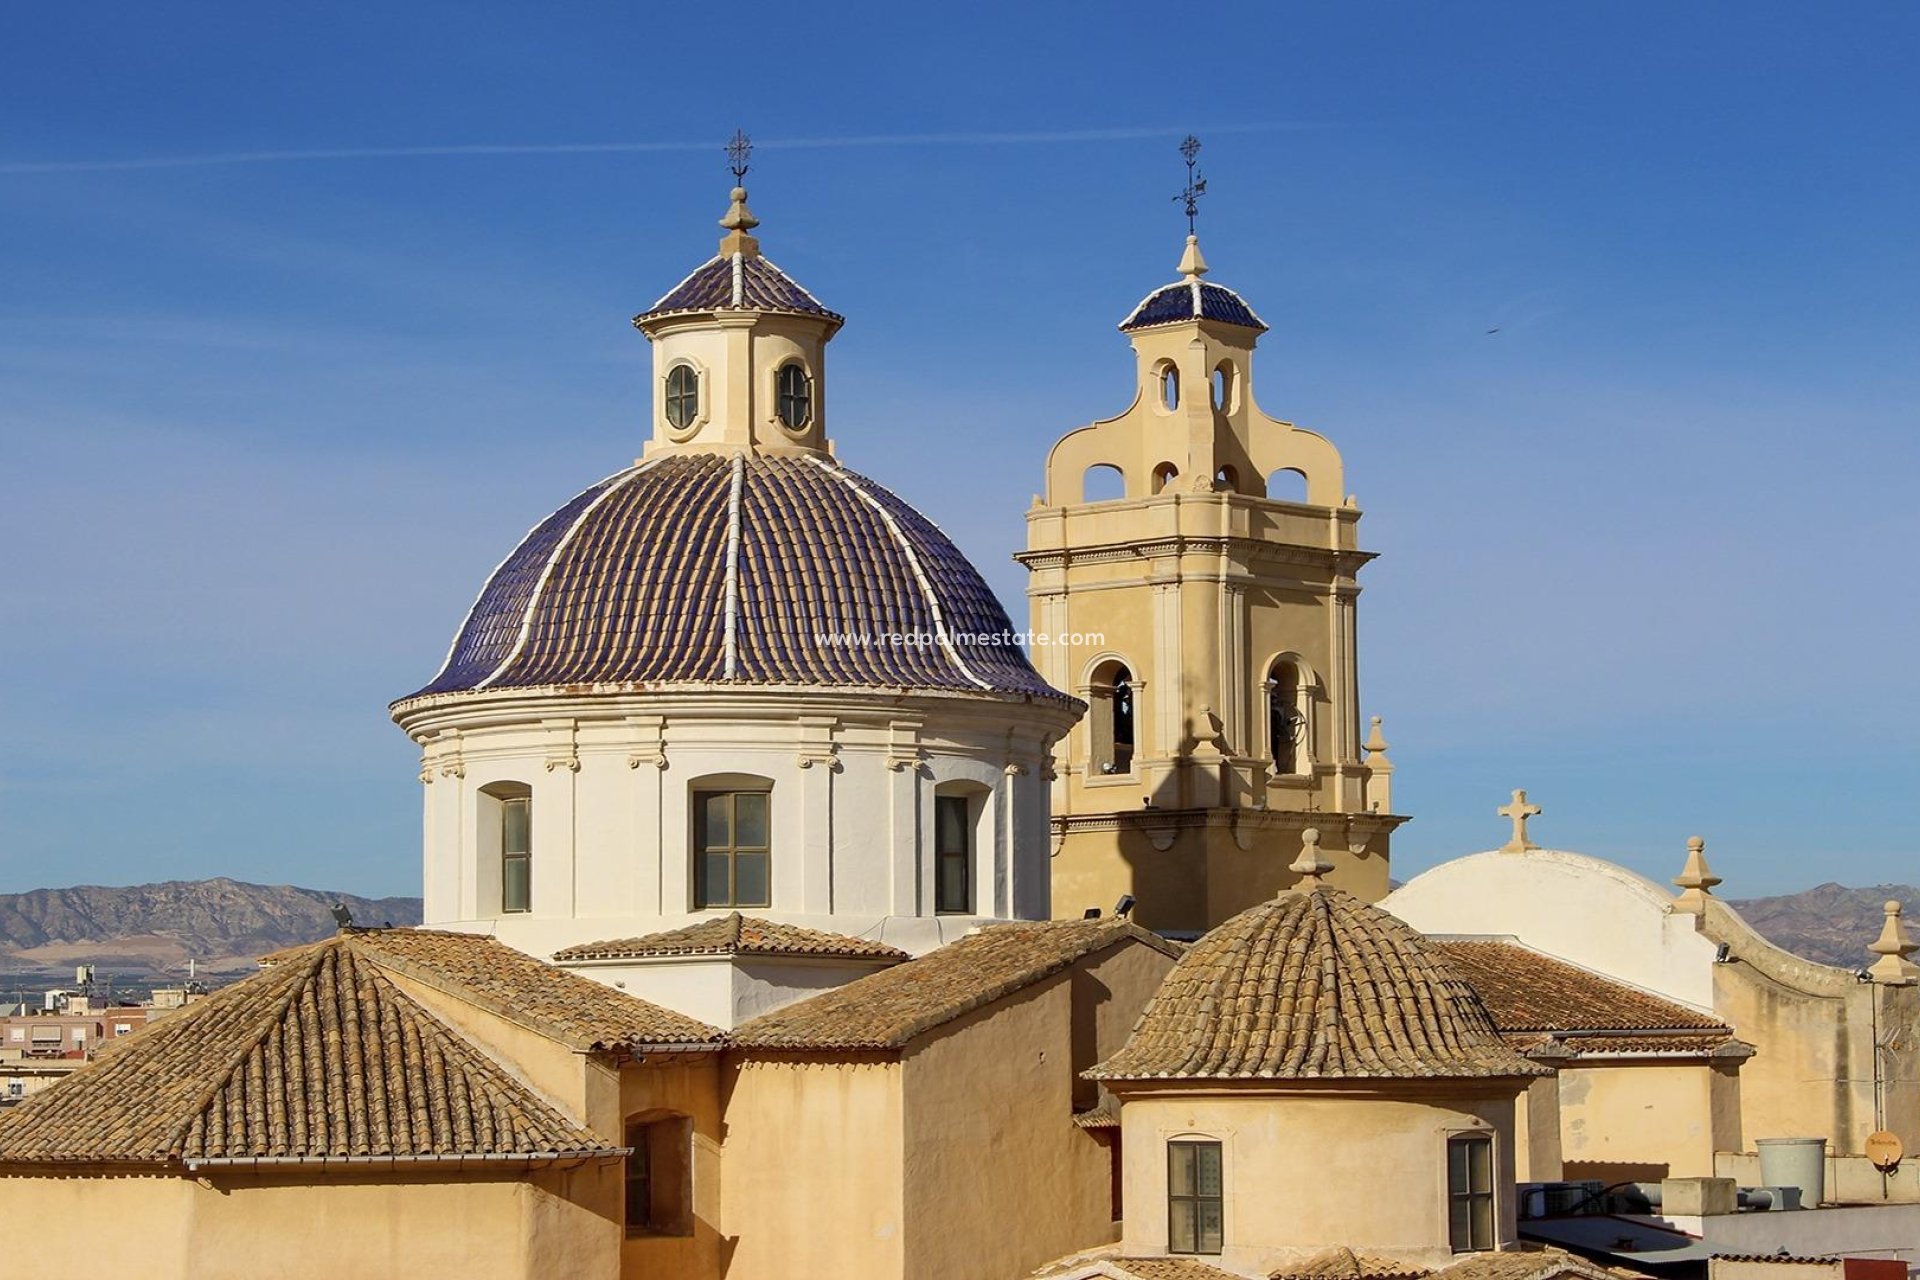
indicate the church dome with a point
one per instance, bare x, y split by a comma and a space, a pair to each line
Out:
1314, 985
750, 569
1188, 300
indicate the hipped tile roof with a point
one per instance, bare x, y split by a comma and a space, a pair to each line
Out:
576, 1011
887, 1010
1187, 300
1527, 1262
746, 570
1544, 1005
1314, 985
739, 282
735, 934
320, 1056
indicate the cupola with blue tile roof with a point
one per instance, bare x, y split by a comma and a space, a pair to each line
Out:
735, 620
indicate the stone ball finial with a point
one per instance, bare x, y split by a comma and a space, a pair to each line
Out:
1311, 864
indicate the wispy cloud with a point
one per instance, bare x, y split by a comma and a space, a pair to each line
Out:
215, 159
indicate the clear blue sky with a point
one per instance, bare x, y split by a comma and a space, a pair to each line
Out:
270, 418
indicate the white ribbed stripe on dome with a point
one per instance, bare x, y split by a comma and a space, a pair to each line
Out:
546, 570
731, 647
913, 563
739, 279
454, 646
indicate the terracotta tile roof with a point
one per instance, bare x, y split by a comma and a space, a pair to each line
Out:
1167, 1269
1314, 985
735, 934
747, 570
1342, 1263
886, 1010
321, 1055
1528, 991
1545, 1045
1530, 1262
576, 1011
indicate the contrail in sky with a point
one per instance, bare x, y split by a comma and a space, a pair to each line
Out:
220, 158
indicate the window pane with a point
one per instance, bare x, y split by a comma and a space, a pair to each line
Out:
1460, 1224
1180, 1168
715, 890
515, 818
1181, 1237
1209, 1235
1483, 1221
950, 824
1480, 1172
716, 831
1206, 1161
515, 890
951, 894
750, 880
750, 817
1456, 1165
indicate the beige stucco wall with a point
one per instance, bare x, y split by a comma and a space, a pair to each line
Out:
688, 1085
1536, 1133
1313, 1170
811, 1181
1645, 1121
246, 1226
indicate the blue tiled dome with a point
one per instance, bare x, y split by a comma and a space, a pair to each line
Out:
746, 569
1191, 300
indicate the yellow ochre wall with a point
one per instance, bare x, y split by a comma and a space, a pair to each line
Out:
1645, 1121
1308, 1171
247, 1226
683, 1085
811, 1182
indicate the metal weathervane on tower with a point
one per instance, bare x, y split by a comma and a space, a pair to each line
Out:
739, 152
1196, 182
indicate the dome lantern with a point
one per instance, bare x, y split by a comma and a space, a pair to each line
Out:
739, 349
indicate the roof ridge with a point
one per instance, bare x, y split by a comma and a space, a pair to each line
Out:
176, 1138
907, 549
622, 479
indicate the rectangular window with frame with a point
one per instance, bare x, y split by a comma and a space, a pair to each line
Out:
733, 855
952, 855
1470, 1224
1195, 1205
516, 853
659, 1177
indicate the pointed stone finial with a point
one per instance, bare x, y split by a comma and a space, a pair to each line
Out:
1696, 879
1311, 864
1519, 811
1375, 744
1893, 946
738, 222
1192, 265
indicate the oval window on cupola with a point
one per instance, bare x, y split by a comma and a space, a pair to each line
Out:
683, 396
793, 398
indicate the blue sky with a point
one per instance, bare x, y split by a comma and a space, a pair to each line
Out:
274, 400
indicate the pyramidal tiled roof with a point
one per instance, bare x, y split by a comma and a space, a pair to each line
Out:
1192, 299
739, 281
320, 1055
735, 934
751, 570
1314, 985
886, 1010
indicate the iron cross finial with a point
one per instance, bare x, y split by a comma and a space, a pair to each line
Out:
739, 151
1196, 184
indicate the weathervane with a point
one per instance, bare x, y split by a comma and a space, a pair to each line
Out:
739, 151
1196, 184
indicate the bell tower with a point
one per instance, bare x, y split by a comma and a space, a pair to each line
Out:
1193, 578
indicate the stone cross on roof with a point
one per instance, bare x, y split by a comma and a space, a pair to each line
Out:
1519, 811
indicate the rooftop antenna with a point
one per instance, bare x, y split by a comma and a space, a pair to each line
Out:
1196, 182
739, 152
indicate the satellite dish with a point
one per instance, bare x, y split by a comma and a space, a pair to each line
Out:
1884, 1151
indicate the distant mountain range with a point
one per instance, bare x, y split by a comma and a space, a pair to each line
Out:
145, 934
1829, 923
